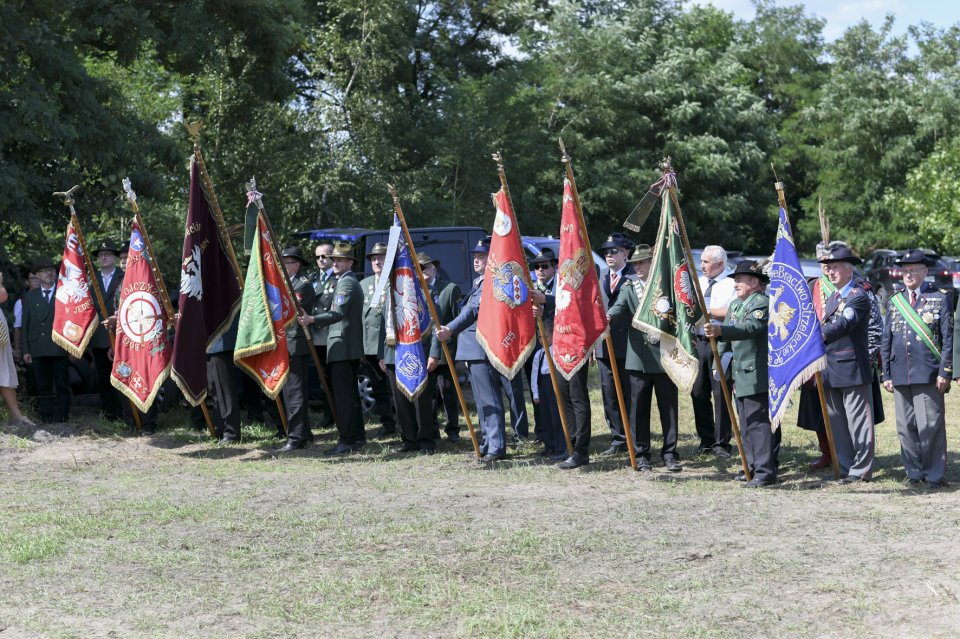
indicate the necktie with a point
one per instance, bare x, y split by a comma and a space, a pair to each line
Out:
46, 296
710, 284
913, 298
614, 280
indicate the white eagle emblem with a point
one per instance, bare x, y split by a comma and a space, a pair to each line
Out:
407, 307
73, 287
190, 283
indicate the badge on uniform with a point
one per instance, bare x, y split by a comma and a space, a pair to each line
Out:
758, 314
338, 300
848, 313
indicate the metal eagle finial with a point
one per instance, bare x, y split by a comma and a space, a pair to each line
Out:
68, 199
128, 189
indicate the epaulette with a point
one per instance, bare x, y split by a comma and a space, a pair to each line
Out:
944, 291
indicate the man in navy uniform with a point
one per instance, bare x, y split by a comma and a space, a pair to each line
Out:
917, 356
646, 374
544, 267
49, 362
848, 376
344, 349
744, 333
295, 389
372, 320
616, 249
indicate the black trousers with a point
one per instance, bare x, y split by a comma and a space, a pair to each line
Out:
448, 396
295, 400
222, 387
148, 420
110, 397
761, 447
381, 388
576, 403
417, 418
709, 409
52, 375
343, 382
611, 406
642, 388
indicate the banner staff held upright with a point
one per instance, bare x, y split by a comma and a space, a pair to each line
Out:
821, 392
631, 447
672, 186
69, 201
257, 198
434, 316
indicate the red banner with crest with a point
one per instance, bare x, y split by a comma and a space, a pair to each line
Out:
74, 314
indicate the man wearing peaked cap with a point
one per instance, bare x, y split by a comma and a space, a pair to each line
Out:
446, 298
344, 349
372, 322
848, 376
110, 278
744, 334
48, 361
544, 267
615, 250
917, 356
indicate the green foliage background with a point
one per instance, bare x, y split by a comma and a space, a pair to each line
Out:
328, 102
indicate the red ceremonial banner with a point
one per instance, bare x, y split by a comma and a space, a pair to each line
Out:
141, 360
580, 320
74, 314
506, 327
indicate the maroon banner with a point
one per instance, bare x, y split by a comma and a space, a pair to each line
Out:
74, 314
209, 293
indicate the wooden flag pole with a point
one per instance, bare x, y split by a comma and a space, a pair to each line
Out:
713, 341
321, 371
164, 295
68, 201
541, 330
608, 340
435, 317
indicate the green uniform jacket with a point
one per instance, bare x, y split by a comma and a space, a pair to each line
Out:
345, 319
446, 298
322, 304
296, 337
37, 329
372, 315
744, 332
643, 356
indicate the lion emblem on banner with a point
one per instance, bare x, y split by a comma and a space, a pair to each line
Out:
509, 285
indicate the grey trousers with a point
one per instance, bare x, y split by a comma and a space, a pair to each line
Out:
851, 420
922, 429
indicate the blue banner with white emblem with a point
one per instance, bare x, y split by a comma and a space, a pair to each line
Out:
410, 323
796, 350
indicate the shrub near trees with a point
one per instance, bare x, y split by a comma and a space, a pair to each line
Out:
327, 102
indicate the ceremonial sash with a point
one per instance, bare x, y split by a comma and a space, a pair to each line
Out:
823, 289
915, 322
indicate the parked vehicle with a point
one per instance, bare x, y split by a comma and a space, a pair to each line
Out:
532, 245
881, 270
953, 266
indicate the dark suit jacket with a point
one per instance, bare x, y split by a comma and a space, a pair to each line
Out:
845, 324
620, 327
37, 329
908, 361
446, 298
100, 338
296, 338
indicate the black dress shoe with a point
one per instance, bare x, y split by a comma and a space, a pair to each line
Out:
339, 449
672, 465
453, 436
643, 465
740, 477
386, 431
613, 450
720, 451
406, 448
290, 447
756, 483
490, 457
575, 460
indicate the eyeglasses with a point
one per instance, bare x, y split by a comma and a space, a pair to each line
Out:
613, 251
541, 266
323, 257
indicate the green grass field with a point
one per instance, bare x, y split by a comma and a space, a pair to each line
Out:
103, 535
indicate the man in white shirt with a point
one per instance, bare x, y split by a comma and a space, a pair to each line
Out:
712, 420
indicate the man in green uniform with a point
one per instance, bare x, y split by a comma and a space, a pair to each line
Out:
744, 333
446, 297
372, 321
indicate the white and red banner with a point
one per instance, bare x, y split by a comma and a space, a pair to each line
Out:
506, 327
142, 352
74, 314
580, 320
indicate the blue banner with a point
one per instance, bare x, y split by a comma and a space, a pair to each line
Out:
794, 339
411, 322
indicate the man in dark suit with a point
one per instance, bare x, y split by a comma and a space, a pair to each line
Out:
616, 249
848, 376
917, 357
344, 349
544, 267
372, 319
295, 389
109, 279
446, 299
48, 361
